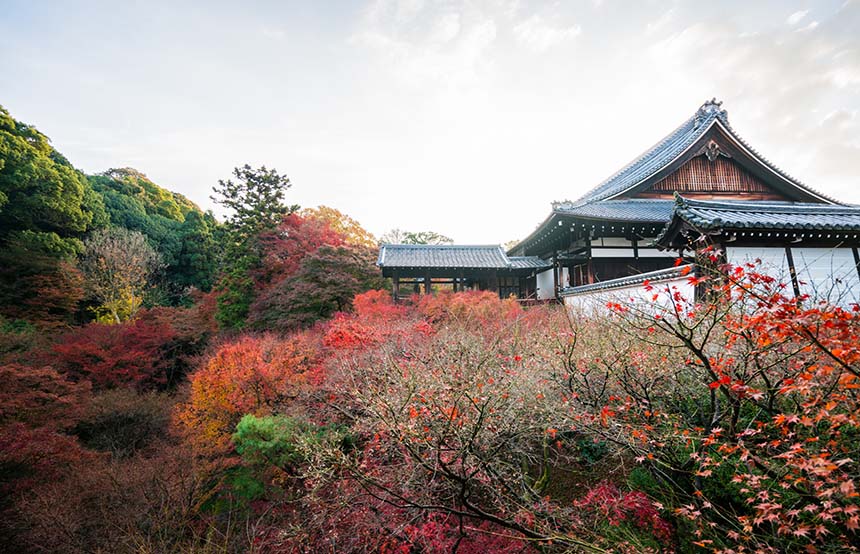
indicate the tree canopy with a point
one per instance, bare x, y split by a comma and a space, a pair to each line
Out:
44, 202
182, 234
399, 236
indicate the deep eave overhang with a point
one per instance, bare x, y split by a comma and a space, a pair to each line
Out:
777, 221
564, 221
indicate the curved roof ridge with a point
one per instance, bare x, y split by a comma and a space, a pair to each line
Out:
654, 158
779, 171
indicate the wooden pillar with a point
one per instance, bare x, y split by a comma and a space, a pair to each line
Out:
454, 279
493, 284
427, 285
791, 271
396, 288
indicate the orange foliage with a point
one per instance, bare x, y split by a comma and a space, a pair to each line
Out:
376, 304
473, 307
346, 332
251, 375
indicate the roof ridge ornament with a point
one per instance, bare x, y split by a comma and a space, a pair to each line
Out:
711, 108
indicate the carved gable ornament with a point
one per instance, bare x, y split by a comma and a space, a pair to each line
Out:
712, 150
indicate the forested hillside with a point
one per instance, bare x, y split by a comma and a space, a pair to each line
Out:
174, 383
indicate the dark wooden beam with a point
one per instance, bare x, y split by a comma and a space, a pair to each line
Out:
427, 284
791, 271
493, 284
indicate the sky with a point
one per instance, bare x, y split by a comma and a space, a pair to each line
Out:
467, 118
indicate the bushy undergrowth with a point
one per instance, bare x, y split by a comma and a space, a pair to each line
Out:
463, 423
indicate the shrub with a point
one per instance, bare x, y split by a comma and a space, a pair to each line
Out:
124, 422
135, 354
248, 376
474, 308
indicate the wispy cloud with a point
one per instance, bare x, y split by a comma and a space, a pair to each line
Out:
367, 101
796, 17
537, 34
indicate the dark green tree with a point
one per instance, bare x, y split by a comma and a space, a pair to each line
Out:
173, 225
46, 208
46, 205
197, 262
255, 200
256, 203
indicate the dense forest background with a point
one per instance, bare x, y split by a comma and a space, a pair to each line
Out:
170, 382
113, 288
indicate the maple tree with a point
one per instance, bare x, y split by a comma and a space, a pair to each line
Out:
748, 412
345, 226
134, 353
250, 375
325, 283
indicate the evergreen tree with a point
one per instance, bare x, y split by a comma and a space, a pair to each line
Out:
198, 258
256, 202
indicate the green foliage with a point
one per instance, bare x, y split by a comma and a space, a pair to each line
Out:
270, 440
197, 260
256, 202
590, 450
640, 479
399, 236
40, 192
236, 291
46, 207
181, 233
155, 200
286, 442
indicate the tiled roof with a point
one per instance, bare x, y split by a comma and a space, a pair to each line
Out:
490, 256
659, 155
657, 211
652, 276
443, 255
676, 143
599, 202
708, 215
529, 262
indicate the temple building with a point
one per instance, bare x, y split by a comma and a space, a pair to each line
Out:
701, 181
415, 267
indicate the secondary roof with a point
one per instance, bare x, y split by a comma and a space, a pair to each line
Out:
709, 216
445, 256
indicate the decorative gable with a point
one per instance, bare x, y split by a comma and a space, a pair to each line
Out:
712, 173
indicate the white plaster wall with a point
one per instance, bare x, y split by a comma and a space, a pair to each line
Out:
545, 284
827, 273
773, 260
822, 273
